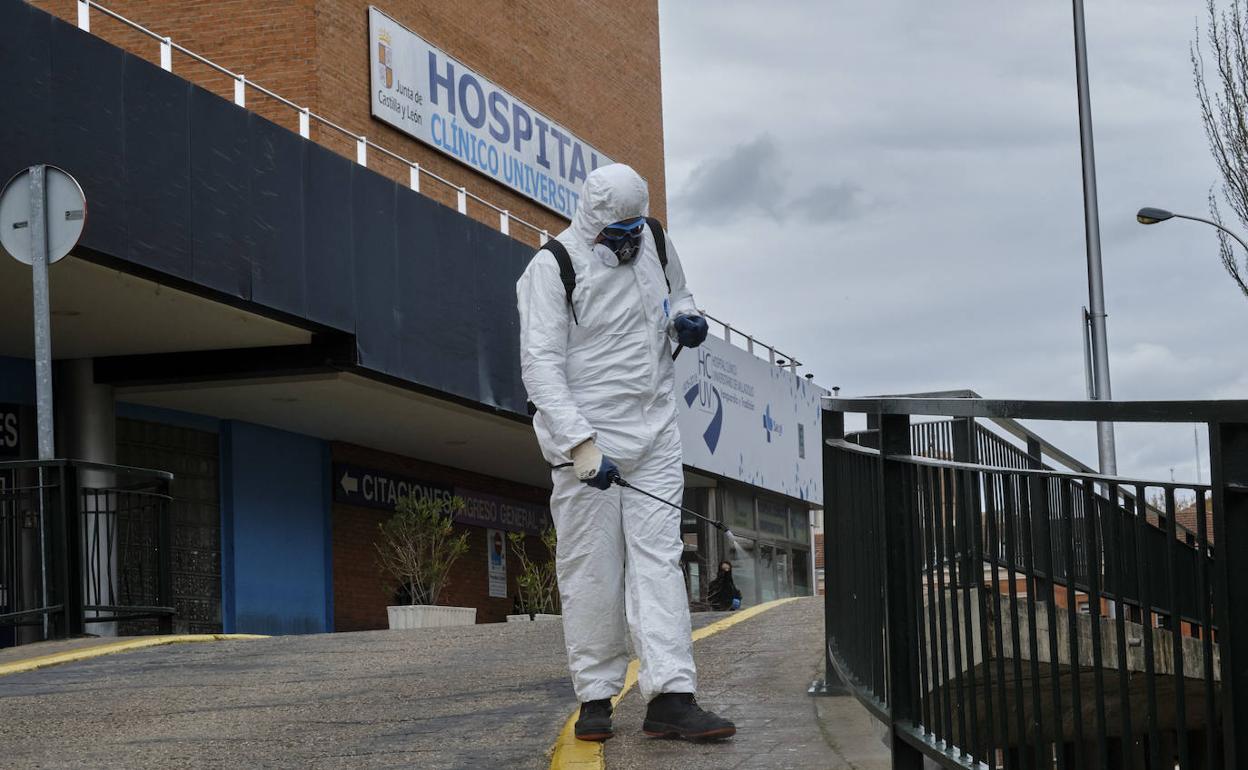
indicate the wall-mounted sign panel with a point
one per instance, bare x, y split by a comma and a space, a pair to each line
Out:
486, 510
375, 488
426, 94
11, 419
745, 419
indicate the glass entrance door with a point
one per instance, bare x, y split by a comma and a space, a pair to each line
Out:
784, 573
744, 575
768, 586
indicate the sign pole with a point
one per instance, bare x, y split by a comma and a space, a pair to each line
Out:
42, 214
43, 324
43, 352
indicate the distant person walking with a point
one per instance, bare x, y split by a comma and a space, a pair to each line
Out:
722, 593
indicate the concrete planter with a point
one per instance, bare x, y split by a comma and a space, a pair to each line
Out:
536, 616
430, 616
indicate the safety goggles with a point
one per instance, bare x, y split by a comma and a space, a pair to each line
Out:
629, 228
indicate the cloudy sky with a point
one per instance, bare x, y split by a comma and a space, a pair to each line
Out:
892, 192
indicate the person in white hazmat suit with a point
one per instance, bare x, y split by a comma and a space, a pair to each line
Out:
598, 369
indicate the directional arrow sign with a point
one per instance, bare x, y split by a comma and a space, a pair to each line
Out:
350, 484
376, 488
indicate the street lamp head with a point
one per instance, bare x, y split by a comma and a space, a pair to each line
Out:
1151, 216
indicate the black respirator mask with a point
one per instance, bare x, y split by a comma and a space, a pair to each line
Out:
620, 243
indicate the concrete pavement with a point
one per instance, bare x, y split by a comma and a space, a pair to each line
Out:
489, 696
481, 696
756, 673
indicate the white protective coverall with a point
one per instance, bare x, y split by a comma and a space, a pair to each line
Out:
609, 376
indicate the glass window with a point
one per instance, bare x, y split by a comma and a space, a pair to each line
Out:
738, 508
773, 517
743, 572
694, 575
694, 500
767, 573
801, 573
799, 524
784, 573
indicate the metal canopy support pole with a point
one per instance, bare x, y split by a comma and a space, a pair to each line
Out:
1092, 232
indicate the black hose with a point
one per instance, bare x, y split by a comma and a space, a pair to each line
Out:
717, 524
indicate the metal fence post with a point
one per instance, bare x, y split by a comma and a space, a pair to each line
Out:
71, 548
872, 437
833, 429
901, 616
164, 541
1228, 460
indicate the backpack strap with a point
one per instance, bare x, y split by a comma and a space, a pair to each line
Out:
567, 273
660, 245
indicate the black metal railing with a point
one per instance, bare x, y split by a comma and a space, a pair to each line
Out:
84, 548
998, 613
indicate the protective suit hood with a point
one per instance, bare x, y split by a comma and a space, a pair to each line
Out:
611, 193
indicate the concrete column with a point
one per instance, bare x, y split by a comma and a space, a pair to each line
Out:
86, 424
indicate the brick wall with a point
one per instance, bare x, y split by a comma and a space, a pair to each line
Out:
591, 65
362, 591
272, 43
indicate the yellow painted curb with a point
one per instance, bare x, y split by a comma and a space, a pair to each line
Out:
85, 653
570, 754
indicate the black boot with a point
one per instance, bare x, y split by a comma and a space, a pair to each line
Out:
678, 714
595, 721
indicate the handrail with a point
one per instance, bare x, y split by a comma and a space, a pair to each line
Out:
943, 575
1118, 481
1079, 411
933, 462
849, 446
86, 465
363, 144
1014, 428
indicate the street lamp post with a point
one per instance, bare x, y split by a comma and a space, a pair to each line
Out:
1092, 232
1151, 216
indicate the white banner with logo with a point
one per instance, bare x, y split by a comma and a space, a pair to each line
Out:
748, 420
423, 92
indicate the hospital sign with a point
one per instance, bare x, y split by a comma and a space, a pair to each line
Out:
420, 90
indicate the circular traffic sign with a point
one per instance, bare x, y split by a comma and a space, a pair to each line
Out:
65, 212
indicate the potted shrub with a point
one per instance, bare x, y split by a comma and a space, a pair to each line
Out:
537, 595
417, 547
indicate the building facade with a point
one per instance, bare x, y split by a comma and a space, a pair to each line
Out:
299, 305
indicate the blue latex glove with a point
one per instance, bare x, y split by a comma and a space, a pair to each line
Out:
736, 604
607, 473
690, 330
